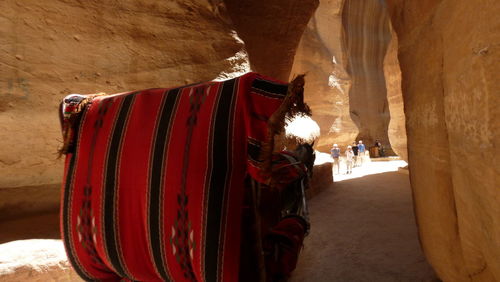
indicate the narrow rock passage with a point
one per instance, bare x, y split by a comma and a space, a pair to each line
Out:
363, 229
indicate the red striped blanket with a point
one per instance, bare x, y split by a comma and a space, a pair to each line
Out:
153, 184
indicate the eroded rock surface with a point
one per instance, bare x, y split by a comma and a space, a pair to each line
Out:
449, 52
342, 51
51, 49
366, 37
271, 30
24, 201
321, 57
397, 124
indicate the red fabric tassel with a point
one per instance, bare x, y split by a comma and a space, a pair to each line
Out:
282, 246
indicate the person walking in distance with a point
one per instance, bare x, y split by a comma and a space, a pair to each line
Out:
380, 148
335, 153
361, 151
349, 158
355, 151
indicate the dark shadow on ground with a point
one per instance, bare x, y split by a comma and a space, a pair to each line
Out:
42, 226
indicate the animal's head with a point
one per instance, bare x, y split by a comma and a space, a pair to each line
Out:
305, 153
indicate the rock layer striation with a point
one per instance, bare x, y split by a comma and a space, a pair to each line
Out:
366, 37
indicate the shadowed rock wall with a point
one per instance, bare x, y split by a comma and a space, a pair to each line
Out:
271, 30
449, 52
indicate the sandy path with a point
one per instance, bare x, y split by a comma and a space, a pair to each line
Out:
363, 229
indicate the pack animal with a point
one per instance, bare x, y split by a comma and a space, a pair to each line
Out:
156, 181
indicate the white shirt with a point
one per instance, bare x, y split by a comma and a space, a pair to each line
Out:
349, 155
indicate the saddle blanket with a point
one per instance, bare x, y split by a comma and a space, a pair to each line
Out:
153, 183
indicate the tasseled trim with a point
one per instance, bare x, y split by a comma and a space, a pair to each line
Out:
292, 105
70, 111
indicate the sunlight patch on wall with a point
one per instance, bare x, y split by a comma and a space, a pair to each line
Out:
240, 63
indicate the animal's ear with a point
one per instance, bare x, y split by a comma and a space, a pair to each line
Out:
312, 144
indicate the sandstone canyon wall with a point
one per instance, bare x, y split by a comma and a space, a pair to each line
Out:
51, 49
320, 55
342, 51
397, 124
449, 52
271, 30
366, 37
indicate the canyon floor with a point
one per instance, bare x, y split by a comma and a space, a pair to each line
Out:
363, 229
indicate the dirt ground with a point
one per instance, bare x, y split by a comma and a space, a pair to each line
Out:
363, 229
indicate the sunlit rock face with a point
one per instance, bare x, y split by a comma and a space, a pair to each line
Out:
392, 74
53, 48
271, 30
342, 51
321, 57
366, 37
449, 52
